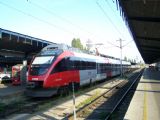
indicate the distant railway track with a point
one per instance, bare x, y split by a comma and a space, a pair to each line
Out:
105, 104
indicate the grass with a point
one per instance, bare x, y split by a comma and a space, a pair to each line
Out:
88, 100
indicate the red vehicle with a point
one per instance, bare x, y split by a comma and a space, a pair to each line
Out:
56, 67
16, 72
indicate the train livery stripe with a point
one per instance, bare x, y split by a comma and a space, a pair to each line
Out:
62, 78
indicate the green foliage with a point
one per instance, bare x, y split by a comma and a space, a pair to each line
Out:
76, 42
88, 100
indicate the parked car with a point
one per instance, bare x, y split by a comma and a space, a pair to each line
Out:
5, 77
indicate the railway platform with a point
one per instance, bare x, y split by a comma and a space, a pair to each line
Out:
9, 92
145, 103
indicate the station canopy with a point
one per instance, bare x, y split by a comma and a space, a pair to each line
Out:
15, 46
143, 19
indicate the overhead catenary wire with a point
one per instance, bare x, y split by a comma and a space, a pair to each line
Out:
41, 20
127, 43
113, 44
110, 7
64, 19
58, 16
101, 8
45, 21
112, 22
37, 18
122, 17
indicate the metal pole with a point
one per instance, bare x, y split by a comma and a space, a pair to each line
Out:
120, 40
74, 108
121, 57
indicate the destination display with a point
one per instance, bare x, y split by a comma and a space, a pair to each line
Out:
54, 52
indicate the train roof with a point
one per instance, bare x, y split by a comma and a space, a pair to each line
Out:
85, 55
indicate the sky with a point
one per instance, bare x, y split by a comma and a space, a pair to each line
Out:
60, 21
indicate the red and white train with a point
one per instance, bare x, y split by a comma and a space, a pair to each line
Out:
57, 66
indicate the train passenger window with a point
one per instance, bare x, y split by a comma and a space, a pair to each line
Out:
90, 65
82, 65
77, 64
94, 65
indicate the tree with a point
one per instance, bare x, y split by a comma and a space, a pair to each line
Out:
76, 42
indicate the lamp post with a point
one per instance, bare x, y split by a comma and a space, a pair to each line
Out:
120, 40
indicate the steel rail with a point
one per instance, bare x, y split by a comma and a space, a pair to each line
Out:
108, 116
85, 106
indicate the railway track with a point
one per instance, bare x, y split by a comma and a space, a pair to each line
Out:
29, 106
58, 110
87, 109
20, 106
104, 105
124, 93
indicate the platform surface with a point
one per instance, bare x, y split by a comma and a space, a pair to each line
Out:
145, 104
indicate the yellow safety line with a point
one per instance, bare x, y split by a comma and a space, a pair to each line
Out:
145, 104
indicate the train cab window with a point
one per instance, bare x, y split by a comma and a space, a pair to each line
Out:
60, 66
69, 63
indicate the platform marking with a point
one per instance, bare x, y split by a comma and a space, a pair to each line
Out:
145, 104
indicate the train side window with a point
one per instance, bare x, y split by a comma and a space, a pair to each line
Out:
98, 67
87, 65
90, 65
93, 65
77, 64
82, 65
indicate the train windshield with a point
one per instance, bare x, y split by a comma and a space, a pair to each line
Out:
41, 65
43, 61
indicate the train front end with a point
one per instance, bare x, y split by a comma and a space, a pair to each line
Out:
38, 73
